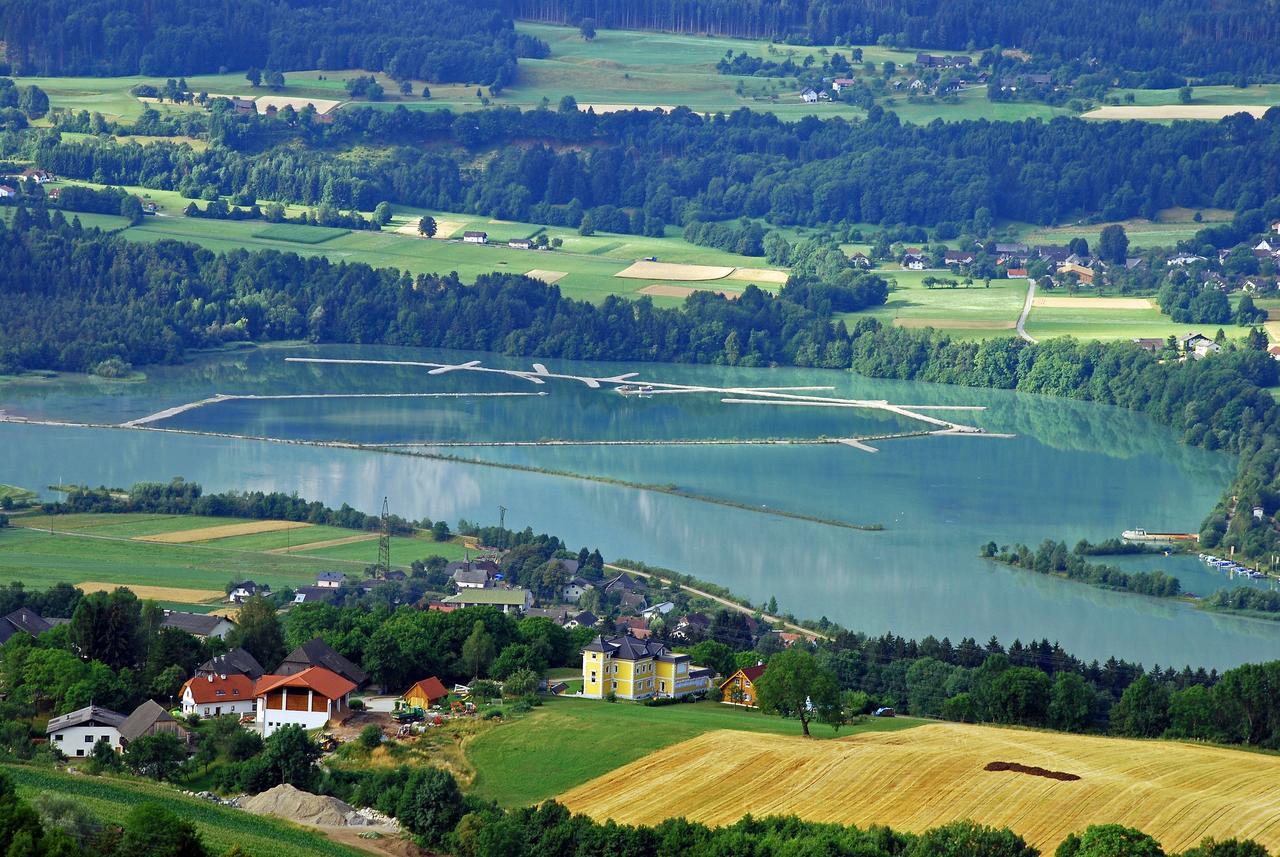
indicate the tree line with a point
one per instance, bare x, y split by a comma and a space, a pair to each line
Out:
1053, 558
441, 40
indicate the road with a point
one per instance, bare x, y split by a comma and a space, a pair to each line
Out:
1026, 311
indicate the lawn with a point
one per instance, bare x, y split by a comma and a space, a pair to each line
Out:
16, 494
298, 233
1171, 226
1086, 322
404, 550
110, 799
971, 313
567, 742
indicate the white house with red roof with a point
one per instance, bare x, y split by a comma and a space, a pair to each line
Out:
216, 695
309, 699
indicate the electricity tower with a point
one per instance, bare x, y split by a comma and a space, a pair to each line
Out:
384, 542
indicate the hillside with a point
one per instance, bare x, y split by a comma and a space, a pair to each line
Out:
1179, 793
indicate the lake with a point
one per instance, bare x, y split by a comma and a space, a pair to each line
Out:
1071, 471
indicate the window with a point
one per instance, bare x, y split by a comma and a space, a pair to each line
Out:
88, 739
80, 752
662, 686
615, 685
57, 737
593, 676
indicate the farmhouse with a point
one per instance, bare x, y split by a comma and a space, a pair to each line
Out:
330, 579
318, 653
150, 718
76, 733
1083, 274
23, 620
309, 699
639, 669
235, 662
312, 594
841, 82
506, 600
574, 588
914, 260
472, 237
808, 96
956, 258
860, 260
216, 695
585, 619
425, 694
1197, 345
203, 625
520, 244
740, 689
242, 592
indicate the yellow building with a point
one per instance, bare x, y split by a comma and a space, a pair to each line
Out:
639, 669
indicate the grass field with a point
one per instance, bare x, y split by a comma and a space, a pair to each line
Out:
107, 550
567, 742
1089, 317
972, 313
110, 799
928, 776
16, 494
300, 234
1171, 226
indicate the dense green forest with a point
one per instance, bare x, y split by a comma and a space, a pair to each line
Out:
1187, 36
440, 40
553, 166
1054, 558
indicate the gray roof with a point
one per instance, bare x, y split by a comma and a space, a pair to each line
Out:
143, 718
200, 624
627, 647
315, 593
335, 576
477, 576
23, 619
318, 653
90, 714
586, 618
234, 662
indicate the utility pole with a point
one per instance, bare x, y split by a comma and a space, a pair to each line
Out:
502, 525
384, 542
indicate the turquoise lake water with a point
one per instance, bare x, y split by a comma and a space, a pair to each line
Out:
1073, 471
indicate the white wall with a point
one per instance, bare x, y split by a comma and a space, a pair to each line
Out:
215, 709
78, 741
270, 720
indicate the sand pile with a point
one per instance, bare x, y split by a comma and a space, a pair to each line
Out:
285, 801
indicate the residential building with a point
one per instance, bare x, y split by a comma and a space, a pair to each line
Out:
471, 578
312, 594
310, 699
1083, 274
691, 627
520, 244
330, 579
860, 260
1274, 351
506, 600
585, 619
808, 96
575, 588
245, 106
76, 733
914, 261
1183, 259
957, 258
318, 653
425, 694
623, 583
23, 620
662, 608
633, 625
235, 662
639, 669
471, 237
203, 625
150, 718
7, 192
739, 688
242, 592
216, 695
1150, 343
841, 82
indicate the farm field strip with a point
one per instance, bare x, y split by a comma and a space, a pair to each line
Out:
174, 594
929, 776
205, 534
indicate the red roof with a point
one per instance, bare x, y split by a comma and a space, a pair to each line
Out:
753, 673
218, 688
324, 682
432, 688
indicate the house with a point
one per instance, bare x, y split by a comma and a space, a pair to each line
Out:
1274, 351
150, 718
860, 260
7, 192
439, 606
1254, 285
36, 175
633, 625
692, 627
639, 669
623, 583
330, 579
1183, 259
76, 733
914, 261
472, 574
318, 653
1150, 343
243, 105
585, 619
23, 620
1053, 253
1083, 274
506, 600
739, 688
574, 588
212, 695
471, 237
1197, 345
841, 82
235, 662
312, 594
310, 699
1275, 226
242, 592
808, 96
202, 625
520, 244
662, 608
425, 694
954, 258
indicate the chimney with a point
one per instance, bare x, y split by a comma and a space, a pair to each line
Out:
210, 677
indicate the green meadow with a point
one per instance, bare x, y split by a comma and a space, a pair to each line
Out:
566, 742
976, 312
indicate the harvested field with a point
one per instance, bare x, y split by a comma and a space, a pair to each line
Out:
954, 324
663, 290
327, 543
547, 277
446, 228
204, 534
924, 777
156, 593
1211, 112
279, 102
759, 275
618, 108
1093, 303
1016, 768
672, 271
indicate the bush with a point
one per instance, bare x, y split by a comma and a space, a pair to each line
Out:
356, 705
371, 737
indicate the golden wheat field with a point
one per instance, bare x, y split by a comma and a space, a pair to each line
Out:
222, 531
157, 593
920, 778
673, 271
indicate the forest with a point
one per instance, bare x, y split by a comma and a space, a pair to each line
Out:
1189, 37
440, 40
553, 166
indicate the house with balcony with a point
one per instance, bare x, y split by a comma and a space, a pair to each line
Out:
637, 669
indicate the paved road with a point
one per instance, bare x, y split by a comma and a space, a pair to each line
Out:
1026, 311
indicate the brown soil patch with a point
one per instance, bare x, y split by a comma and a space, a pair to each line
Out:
672, 271
223, 531
1093, 303
156, 593
279, 102
1032, 770
1176, 111
953, 324
547, 277
663, 290
759, 275
327, 543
